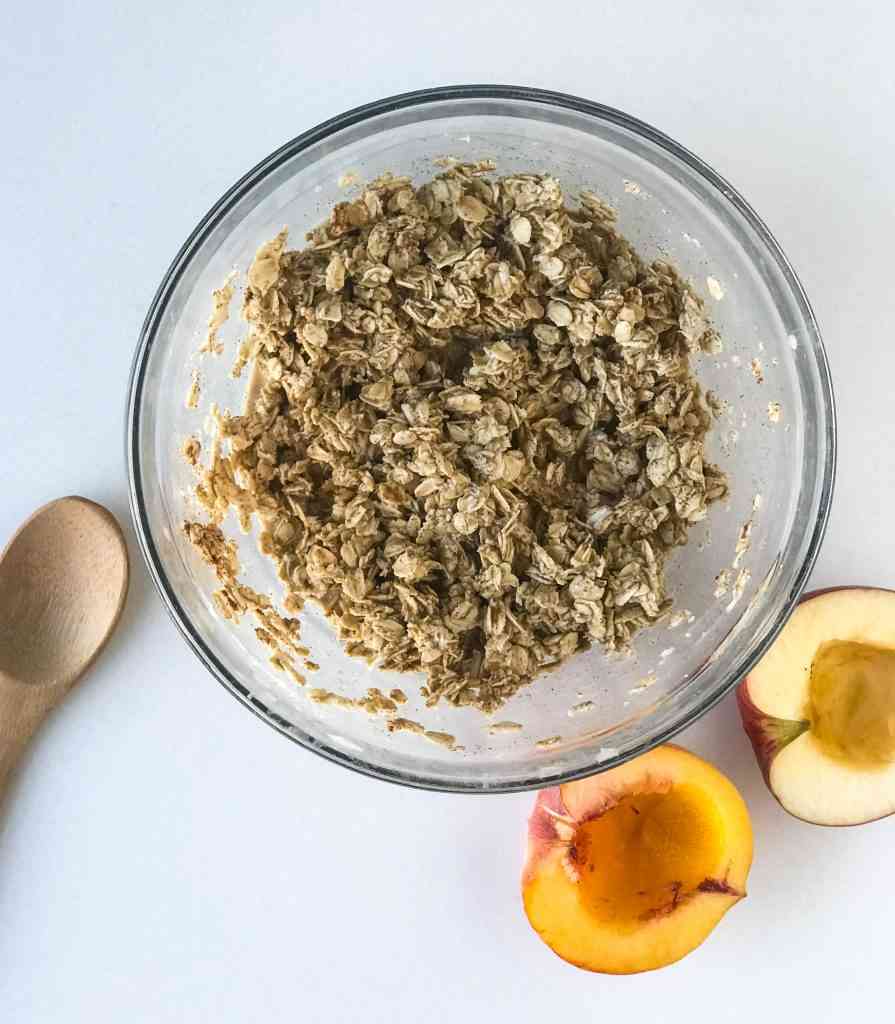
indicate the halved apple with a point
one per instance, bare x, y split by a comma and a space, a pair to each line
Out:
819, 708
630, 870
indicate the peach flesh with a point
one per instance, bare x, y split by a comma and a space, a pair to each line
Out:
640, 858
630, 870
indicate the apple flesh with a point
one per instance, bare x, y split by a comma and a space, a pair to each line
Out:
819, 708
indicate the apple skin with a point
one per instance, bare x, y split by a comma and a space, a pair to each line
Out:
768, 735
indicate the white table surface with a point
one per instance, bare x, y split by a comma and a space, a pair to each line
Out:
164, 856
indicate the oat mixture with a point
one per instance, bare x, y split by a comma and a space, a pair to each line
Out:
477, 434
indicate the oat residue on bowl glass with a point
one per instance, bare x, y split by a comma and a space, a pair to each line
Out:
442, 739
730, 580
678, 618
550, 741
650, 679
374, 703
192, 450
722, 582
742, 580
743, 542
580, 709
194, 391
451, 382
220, 313
497, 728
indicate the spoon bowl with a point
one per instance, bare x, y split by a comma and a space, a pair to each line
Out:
63, 583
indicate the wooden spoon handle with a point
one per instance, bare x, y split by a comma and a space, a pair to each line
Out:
22, 709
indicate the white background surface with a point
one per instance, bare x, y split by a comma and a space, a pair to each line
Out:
164, 856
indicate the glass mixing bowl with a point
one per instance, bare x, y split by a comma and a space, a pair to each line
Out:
670, 204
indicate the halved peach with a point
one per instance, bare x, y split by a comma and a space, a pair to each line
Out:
819, 708
630, 870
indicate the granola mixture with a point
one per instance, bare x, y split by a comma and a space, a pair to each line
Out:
477, 434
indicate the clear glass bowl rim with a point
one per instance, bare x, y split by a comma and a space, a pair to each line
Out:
191, 246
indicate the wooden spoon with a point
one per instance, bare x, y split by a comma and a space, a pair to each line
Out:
63, 581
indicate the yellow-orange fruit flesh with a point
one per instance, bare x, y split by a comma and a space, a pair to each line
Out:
852, 702
630, 870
